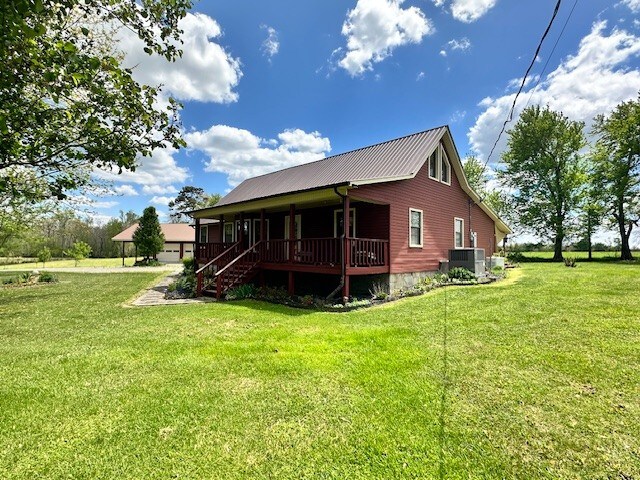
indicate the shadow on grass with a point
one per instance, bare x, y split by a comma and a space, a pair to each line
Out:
274, 308
607, 260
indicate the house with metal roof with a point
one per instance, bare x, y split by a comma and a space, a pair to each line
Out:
408, 205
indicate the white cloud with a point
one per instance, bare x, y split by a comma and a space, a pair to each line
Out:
420, 76
438, 3
592, 81
634, 5
271, 44
470, 10
205, 71
125, 190
160, 200
158, 169
443, 53
158, 189
516, 82
240, 154
374, 28
463, 44
457, 116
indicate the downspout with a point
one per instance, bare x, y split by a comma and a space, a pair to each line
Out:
470, 229
342, 263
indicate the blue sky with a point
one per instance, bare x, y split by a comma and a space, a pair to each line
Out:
266, 85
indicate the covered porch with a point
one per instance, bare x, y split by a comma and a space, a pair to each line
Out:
302, 233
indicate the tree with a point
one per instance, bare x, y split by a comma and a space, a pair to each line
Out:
148, 237
617, 158
475, 172
79, 251
591, 212
44, 255
67, 105
545, 172
190, 198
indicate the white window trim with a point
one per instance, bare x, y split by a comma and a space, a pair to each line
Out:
206, 233
437, 177
335, 222
233, 231
445, 158
256, 221
416, 245
455, 223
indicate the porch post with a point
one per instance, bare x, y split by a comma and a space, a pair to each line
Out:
123, 254
262, 225
221, 229
196, 254
241, 239
292, 236
346, 257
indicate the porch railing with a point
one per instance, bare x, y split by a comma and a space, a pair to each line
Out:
208, 251
369, 252
306, 251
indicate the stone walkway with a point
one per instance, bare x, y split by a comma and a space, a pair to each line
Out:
155, 295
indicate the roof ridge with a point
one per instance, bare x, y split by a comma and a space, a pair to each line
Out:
347, 152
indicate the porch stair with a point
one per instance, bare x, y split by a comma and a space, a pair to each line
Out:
226, 271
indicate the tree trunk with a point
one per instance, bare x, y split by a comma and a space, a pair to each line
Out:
625, 251
589, 228
557, 249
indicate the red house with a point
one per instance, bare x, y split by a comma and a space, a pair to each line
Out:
408, 200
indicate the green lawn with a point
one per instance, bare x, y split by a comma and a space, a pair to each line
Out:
88, 262
534, 377
597, 256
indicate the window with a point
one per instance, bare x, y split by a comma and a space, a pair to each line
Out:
415, 227
229, 236
255, 234
458, 232
204, 234
433, 165
338, 223
445, 169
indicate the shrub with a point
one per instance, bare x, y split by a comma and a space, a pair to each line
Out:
570, 262
497, 270
515, 257
273, 294
9, 280
440, 278
47, 277
189, 264
241, 292
79, 251
460, 273
147, 262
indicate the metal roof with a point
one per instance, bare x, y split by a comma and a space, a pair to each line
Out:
173, 232
387, 161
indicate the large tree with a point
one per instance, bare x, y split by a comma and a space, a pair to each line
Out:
543, 168
67, 104
148, 237
190, 198
617, 158
477, 177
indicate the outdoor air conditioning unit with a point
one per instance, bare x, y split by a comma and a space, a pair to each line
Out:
470, 258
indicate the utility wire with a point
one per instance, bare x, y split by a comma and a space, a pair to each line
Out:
551, 54
524, 80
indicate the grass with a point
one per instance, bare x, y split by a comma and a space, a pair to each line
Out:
537, 376
597, 256
88, 262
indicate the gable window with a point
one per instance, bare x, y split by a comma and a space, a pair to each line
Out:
415, 228
204, 234
458, 232
445, 168
433, 165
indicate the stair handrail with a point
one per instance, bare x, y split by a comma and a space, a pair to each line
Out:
251, 249
217, 258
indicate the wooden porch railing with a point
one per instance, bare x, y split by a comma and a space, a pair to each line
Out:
369, 252
208, 251
306, 251
238, 270
205, 274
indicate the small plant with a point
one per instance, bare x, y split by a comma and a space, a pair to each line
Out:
440, 278
189, 264
79, 251
570, 262
241, 292
9, 280
460, 273
47, 277
365, 302
497, 271
378, 291
44, 255
147, 262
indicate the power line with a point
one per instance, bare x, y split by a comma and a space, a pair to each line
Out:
551, 54
524, 80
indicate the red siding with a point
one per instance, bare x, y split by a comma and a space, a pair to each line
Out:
440, 203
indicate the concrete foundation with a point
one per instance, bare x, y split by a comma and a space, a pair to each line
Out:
399, 281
